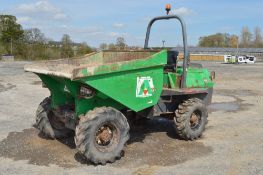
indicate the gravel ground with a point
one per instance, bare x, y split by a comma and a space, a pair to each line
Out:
232, 143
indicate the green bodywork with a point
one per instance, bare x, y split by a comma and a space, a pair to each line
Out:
123, 80
196, 78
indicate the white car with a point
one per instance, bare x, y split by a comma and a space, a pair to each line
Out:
246, 59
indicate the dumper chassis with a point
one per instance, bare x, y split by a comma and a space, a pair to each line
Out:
97, 96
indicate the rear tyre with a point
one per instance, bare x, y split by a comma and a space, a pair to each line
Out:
47, 122
101, 135
190, 119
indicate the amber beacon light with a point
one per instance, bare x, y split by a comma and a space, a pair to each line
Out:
168, 8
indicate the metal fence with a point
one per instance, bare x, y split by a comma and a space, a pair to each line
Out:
224, 51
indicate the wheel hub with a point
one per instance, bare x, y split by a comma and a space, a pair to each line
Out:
104, 136
194, 120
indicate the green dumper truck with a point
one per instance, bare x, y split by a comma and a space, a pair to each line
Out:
98, 96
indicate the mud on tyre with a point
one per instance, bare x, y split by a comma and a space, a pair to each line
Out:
190, 119
101, 135
47, 122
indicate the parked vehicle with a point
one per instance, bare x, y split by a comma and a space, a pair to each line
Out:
240, 59
246, 59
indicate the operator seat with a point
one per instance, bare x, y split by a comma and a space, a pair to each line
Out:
172, 57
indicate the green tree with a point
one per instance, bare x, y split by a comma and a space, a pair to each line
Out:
10, 32
53, 49
67, 47
36, 44
216, 40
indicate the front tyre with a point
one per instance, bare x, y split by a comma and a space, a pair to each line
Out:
190, 119
47, 122
101, 135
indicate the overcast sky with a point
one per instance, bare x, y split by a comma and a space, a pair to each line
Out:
103, 21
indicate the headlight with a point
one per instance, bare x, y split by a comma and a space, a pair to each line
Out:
86, 92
